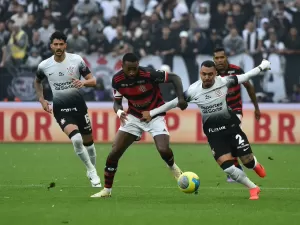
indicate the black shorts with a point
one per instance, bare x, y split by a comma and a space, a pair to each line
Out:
81, 119
234, 142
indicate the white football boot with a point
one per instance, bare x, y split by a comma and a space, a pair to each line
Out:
176, 171
106, 192
94, 178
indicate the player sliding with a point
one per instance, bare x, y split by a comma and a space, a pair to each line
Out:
63, 71
234, 99
140, 86
220, 123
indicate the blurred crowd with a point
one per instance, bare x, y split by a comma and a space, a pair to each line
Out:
152, 27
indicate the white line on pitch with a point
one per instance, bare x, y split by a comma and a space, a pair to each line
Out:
156, 187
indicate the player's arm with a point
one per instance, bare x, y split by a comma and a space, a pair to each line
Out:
188, 96
40, 75
160, 76
118, 107
84, 71
251, 92
233, 80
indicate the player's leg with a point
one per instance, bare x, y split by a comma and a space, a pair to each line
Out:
85, 129
221, 149
244, 152
125, 136
236, 161
159, 131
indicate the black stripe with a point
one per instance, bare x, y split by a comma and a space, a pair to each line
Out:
73, 133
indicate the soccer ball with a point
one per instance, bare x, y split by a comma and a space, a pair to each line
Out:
188, 182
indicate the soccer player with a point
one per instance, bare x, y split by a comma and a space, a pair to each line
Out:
63, 71
220, 123
234, 100
140, 86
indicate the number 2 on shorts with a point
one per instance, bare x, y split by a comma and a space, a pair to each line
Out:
240, 139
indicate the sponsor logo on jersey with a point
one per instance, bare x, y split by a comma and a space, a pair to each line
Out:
207, 97
63, 86
140, 105
212, 108
216, 129
231, 72
61, 74
69, 109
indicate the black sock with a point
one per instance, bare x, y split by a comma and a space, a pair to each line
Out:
109, 172
168, 157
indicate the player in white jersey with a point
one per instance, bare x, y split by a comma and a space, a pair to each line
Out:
220, 123
63, 71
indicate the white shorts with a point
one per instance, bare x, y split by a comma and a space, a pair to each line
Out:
240, 117
136, 127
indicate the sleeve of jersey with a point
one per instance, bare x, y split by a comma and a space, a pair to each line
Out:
40, 74
83, 68
159, 76
164, 108
233, 80
117, 95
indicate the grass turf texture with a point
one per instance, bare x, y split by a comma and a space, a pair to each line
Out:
144, 191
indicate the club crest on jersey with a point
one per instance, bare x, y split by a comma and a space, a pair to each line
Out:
231, 72
142, 88
218, 92
71, 70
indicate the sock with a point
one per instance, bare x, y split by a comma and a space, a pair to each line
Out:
81, 151
109, 172
239, 176
168, 157
90, 147
252, 164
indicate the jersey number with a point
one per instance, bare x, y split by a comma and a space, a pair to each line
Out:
87, 118
240, 139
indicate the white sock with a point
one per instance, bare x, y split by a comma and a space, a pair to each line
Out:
82, 152
255, 162
239, 176
92, 153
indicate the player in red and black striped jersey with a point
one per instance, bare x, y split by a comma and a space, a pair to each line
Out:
140, 86
234, 100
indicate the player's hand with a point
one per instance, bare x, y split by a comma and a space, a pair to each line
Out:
78, 83
123, 116
46, 106
265, 65
146, 116
257, 114
182, 104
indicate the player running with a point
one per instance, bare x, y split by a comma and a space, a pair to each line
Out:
234, 100
63, 71
140, 86
220, 123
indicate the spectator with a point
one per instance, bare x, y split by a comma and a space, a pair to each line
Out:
30, 27
46, 30
84, 10
20, 17
110, 9
233, 43
202, 17
77, 43
94, 26
33, 59
110, 31
120, 43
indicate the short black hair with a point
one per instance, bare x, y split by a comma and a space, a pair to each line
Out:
130, 57
208, 63
219, 49
59, 36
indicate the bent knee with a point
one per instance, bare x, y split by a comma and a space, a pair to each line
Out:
247, 159
77, 140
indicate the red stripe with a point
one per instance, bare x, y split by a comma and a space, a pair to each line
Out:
236, 88
135, 90
238, 96
166, 76
234, 67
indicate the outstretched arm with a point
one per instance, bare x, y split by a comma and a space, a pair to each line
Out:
165, 107
233, 80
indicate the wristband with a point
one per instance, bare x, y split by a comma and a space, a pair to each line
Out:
119, 112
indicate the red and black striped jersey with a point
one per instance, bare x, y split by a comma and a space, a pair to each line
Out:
234, 100
142, 92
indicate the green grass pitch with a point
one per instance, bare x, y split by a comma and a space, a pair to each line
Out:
144, 192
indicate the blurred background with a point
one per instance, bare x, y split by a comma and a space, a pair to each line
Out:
176, 35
